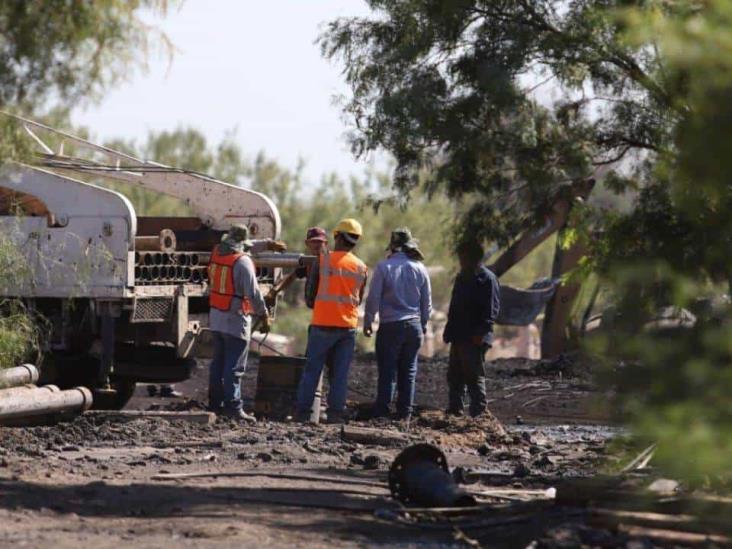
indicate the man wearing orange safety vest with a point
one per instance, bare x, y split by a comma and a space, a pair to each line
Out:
334, 290
234, 298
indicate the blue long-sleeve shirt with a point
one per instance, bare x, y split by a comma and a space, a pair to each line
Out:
474, 306
400, 290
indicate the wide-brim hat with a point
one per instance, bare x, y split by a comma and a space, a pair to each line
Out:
402, 240
238, 237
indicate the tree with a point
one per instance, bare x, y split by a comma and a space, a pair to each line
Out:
457, 87
643, 88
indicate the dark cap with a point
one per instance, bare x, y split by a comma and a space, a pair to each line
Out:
316, 233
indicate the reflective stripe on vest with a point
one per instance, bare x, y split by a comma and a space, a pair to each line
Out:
221, 278
342, 275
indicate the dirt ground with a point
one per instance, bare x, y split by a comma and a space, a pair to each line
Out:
95, 480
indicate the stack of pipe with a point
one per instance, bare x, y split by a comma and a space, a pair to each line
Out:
20, 398
162, 268
159, 268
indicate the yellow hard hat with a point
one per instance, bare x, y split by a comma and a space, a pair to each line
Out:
350, 226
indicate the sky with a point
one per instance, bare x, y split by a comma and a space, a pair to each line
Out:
243, 65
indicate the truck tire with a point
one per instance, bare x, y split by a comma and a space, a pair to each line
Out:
123, 391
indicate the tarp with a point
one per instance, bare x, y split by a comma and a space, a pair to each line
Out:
521, 307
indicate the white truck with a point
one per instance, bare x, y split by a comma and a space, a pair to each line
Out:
125, 295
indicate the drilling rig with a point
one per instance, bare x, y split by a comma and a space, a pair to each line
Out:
124, 296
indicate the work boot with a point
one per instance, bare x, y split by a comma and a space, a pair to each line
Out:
168, 391
454, 412
240, 415
336, 418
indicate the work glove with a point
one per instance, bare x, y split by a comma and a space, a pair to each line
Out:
265, 324
276, 246
368, 331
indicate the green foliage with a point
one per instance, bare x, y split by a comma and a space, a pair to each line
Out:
52, 49
445, 86
677, 384
19, 335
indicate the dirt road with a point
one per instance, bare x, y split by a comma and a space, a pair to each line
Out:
96, 481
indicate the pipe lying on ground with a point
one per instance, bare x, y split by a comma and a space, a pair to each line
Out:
419, 476
25, 389
19, 375
37, 403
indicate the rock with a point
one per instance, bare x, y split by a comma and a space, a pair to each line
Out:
521, 470
534, 449
545, 461
264, 456
371, 462
664, 486
484, 450
356, 459
242, 455
519, 420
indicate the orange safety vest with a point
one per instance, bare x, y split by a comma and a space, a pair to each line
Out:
342, 275
221, 279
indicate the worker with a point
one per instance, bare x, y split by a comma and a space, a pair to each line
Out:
316, 239
316, 242
334, 290
400, 294
234, 299
474, 307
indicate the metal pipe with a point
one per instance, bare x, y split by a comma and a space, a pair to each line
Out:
148, 259
138, 272
165, 241
155, 273
137, 258
19, 375
166, 259
36, 403
146, 273
196, 276
187, 272
24, 389
282, 260
419, 476
179, 273
184, 259
157, 258
193, 259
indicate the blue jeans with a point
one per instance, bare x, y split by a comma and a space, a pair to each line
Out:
397, 348
227, 368
339, 343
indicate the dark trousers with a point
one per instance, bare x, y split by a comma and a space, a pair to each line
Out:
397, 349
467, 370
